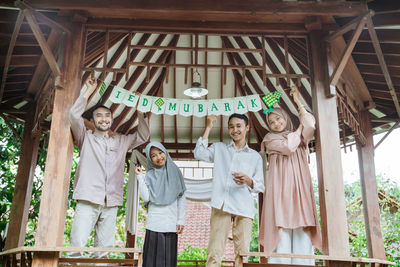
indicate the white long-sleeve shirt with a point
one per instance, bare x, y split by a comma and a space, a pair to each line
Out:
99, 177
162, 218
233, 198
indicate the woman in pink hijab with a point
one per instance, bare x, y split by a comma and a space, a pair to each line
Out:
289, 220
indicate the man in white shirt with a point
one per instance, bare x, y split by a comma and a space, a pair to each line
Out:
237, 174
99, 178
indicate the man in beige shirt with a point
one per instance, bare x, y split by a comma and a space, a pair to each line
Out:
99, 179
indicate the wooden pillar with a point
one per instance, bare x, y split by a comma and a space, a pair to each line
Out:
23, 184
372, 218
130, 243
330, 177
50, 231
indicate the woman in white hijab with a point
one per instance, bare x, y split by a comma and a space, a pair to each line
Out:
162, 190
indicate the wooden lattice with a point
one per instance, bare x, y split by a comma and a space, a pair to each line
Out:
350, 116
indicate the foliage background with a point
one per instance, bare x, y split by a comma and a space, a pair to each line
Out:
9, 158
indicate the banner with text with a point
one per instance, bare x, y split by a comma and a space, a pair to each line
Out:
186, 107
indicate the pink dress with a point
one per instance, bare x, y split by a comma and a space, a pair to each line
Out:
289, 198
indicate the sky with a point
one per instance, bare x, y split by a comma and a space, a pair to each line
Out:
387, 160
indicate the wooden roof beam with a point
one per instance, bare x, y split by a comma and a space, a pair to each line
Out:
47, 53
384, 36
94, 49
349, 26
388, 49
42, 68
387, 134
130, 82
392, 61
382, 62
298, 53
345, 56
14, 36
280, 56
206, 7
167, 56
9, 109
53, 24
153, 91
201, 27
385, 119
232, 57
250, 78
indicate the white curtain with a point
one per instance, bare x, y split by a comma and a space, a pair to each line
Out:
132, 198
198, 189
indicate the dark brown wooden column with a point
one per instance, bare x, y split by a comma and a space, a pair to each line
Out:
50, 231
23, 184
330, 177
372, 217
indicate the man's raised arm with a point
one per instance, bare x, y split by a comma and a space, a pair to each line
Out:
77, 109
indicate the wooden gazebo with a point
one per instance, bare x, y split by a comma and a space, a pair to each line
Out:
343, 55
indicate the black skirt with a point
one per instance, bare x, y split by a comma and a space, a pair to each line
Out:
160, 249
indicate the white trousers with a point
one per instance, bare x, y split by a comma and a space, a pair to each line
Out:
294, 241
88, 216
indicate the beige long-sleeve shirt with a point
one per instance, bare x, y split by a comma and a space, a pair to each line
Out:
99, 177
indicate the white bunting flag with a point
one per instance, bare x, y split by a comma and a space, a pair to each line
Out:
130, 99
227, 106
200, 108
186, 107
172, 106
118, 94
253, 103
145, 103
158, 106
215, 107
240, 105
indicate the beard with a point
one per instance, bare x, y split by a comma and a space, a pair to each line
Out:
101, 128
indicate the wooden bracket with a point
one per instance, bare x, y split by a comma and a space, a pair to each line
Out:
349, 26
53, 24
347, 53
47, 53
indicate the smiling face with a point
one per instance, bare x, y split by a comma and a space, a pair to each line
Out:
158, 157
237, 129
102, 119
276, 122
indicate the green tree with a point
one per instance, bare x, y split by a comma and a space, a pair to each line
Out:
191, 253
10, 148
390, 219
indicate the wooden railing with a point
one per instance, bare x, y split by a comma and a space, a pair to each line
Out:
23, 256
327, 260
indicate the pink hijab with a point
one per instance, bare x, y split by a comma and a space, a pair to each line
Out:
278, 135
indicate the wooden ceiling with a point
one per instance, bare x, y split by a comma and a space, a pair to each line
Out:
240, 48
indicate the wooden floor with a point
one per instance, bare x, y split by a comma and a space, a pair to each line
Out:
24, 256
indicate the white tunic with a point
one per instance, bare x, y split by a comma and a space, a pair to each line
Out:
162, 218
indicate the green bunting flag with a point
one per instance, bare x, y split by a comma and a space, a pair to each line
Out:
270, 100
102, 88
